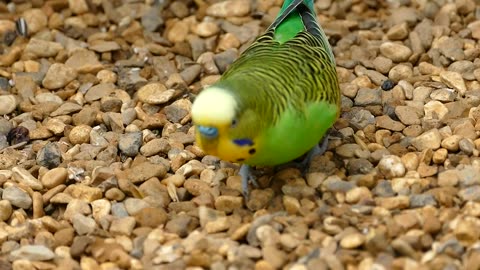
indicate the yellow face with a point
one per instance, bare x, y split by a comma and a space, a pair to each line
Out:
222, 145
213, 112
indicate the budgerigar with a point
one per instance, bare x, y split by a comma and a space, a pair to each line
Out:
277, 100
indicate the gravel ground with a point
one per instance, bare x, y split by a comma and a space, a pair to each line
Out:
99, 170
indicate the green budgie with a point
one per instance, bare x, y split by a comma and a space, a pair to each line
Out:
277, 100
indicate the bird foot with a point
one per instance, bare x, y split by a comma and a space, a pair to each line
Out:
247, 175
303, 166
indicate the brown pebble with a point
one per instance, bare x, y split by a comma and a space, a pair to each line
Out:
54, 177
37, 205
115, 194
151, 217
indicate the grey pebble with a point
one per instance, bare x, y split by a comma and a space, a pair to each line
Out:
119, 210
471, 193
337, 185
384, 189
359, 166
49, 156
130, 143
224, 59
152, 20
366, 96
421, 200
17, 197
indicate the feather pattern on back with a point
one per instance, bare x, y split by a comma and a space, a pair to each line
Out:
302, 11
292, 74
281, 94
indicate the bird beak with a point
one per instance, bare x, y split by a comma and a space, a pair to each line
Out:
208, 145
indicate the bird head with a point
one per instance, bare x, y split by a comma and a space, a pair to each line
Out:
217, 125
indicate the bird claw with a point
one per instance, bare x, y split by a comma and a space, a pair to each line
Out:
318, 149
247, 175
303, 166
246, 172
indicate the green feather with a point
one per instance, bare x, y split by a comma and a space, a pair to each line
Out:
289, 74
288, 96
289, 22
293, 136
286, 87
296, 16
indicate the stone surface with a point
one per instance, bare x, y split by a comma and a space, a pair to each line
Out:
80, 134
49, 156
391, 166
33, 253
122, 226
130, 143
84, 61
54, 177
8, 103
395, 51
229, 8
43, 48
428, 140
99, 167
17, 197
83, 225
155, 93
58, 75
454, 80
5, 210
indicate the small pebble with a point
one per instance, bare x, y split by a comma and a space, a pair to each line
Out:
395, 51
32, 253
83, 225
130, 143
18, 135
387, 85
122, 226
100, 168
80, 134
155, 93
391, 166
54, 177
58, 76
428, 140
353, 240
229, 8
5, 210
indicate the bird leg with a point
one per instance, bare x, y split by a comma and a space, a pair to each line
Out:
303, 165
247, 175
316, 150
246, 172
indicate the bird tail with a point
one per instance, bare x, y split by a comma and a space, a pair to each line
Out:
288, 7
287, 3
308, 17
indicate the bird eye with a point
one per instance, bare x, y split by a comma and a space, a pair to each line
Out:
209, 132
234, 123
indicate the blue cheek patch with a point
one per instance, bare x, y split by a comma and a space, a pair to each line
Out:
209, 132
243, 142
